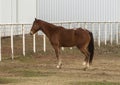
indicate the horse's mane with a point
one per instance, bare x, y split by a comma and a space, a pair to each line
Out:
51, 26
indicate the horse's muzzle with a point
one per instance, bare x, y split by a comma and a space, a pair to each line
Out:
31, 33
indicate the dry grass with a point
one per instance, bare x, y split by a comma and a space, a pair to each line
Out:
40, 68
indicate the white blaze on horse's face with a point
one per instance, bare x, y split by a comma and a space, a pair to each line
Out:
31, 33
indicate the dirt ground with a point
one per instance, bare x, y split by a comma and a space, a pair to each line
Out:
40, 68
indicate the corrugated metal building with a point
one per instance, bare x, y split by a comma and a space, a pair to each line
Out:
24, 11
17, 11
80, 10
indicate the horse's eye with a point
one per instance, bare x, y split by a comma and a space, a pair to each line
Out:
35, 25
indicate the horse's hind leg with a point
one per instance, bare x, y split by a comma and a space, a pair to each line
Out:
86, 60
87, 56
86, 53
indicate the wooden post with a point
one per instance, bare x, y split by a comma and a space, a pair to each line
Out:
117, 34
23, 39
12, 50
44, 43
0, 46
99, 35
105, 34
111, 39
34, 44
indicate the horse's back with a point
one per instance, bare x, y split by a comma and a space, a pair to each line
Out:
72, 37
66, 37
82, 36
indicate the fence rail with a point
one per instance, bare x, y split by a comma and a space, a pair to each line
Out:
102, 31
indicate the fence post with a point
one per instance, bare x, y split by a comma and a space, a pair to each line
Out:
12, 51
34, 46
111, 40
117, 34
105, 33
70, 28
85, 25
62, 47
44, 43
0, 46
99, 35
23, 39
93, 28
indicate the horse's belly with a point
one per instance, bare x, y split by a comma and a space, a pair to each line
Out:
68, 44
68, 40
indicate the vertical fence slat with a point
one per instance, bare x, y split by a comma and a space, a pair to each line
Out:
62, 47
44, 43
117, 34
0, 46
99, 34
105, 33
93, 28
12, 50
85, 26
70, 28
23, 39
111, 39
34, 44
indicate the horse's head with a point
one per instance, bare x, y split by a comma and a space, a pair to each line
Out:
35, 27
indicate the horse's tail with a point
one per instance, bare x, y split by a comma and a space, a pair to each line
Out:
91, 47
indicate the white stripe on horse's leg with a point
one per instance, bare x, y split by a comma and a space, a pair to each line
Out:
84, 63
59, 64
88, 65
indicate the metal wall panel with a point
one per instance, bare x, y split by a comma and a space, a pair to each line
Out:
26, 11
0, 10
59, 10
17, 11
79, 10
6, 11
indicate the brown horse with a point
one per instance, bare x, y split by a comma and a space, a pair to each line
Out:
61, 37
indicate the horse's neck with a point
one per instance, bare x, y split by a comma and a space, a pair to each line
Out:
47, 28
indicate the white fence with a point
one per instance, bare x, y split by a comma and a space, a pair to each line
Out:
106, 32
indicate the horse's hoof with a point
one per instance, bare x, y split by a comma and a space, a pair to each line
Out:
59, 67
84, 63
85, 69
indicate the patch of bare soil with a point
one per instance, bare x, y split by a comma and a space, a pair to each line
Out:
40, 68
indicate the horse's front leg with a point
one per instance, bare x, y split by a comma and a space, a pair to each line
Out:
57, 52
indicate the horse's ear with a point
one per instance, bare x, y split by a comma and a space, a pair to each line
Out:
35, 19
